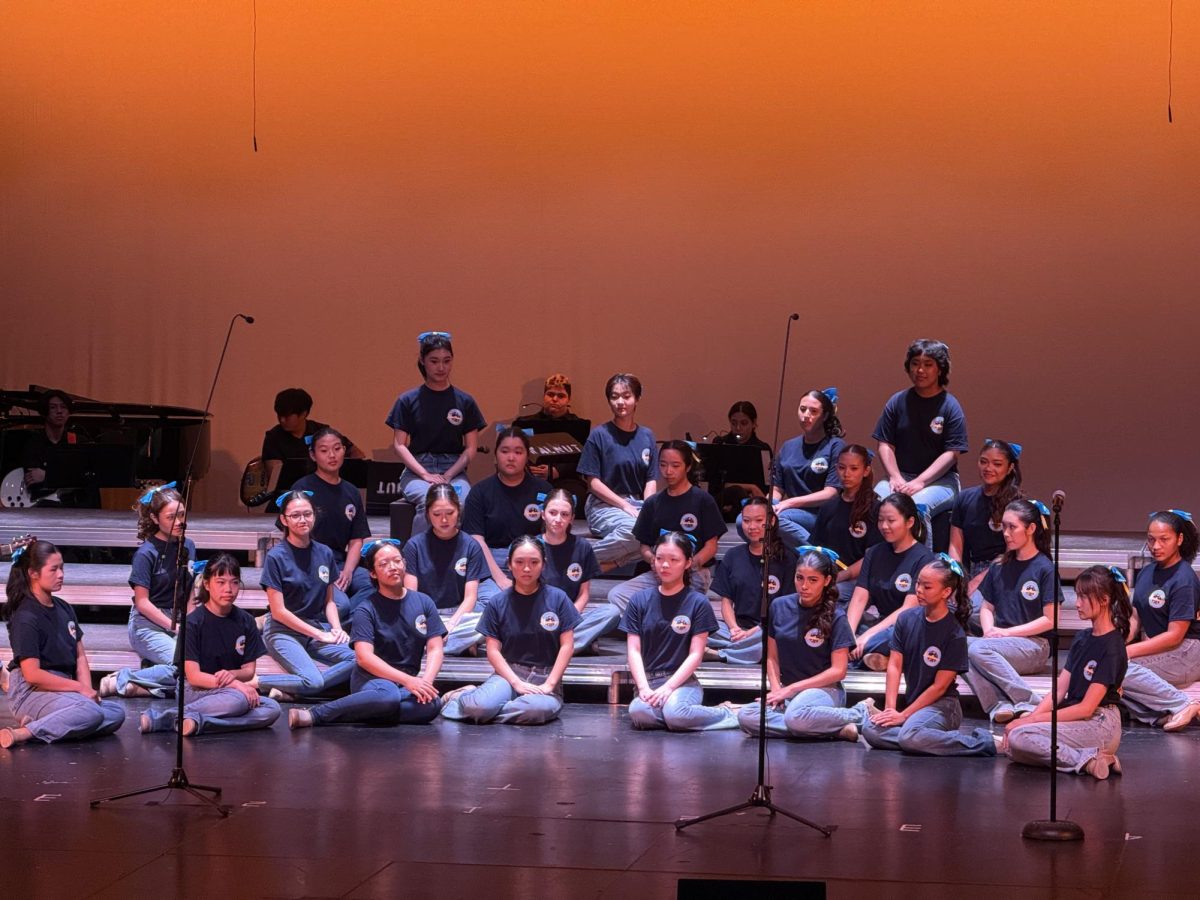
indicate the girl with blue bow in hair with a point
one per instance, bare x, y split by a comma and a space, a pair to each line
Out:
156, 582
804, 474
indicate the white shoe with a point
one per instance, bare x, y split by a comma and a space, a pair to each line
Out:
1097, 767
299, 718
280, 696
108, 685
1182, 719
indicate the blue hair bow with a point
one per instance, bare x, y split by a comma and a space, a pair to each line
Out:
952, 564
282, 498
1118, 575
500, 426
690, 537
1012, 445
812, 548
1182, 513
432, 334
367, 546
831, 393
198, 566
922, 509
149, 495
541, 497
308, 440
17, 554
1041, 507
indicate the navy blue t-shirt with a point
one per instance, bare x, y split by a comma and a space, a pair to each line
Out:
570, 565
666, 625
303, 576
443, 568
435, 421
341, 516
283, 445
222, 642
739, 578
154, 568
528, 627
849, 540
623, 460
693, 512
802, 468
921, 429
1095, 660
1018, 589
890, 577
49, 634
1162, 596
972, 514
396, 629
928, 648
803, 650
500, 514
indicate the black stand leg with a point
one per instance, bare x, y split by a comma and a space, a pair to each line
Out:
760, 799
177, 782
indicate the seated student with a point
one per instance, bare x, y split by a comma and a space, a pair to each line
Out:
976, 538
1016, 616
50, 685
848, 524
302, 626
1088, 688
805, 471
1166, 600
219, 661
743, 427
929, 646
921, 432
505, 506
529, 642
390, 633
808, 650
556, 407
667, 627
448, 566
341, 523
619, 462
679, 506
888, 578
156, 581
435, 427
285, 450
55, 408
570, 566
738, 582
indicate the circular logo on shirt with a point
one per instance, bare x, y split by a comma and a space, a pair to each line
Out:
995, 526
239, 646
460, 567
575, 571
688, 522
646, 456
548, 621
772, 584
937, 425
819, 465
323, 574
350, 511
72, 630
1030, 590
932, 656
858, 530
533, 512
454, 417
681, 624
813, 638
903, 582
421, 624
1158, 599
1090, 669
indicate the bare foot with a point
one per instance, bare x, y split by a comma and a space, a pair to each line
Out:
145, 726
11, 736
299, 718
190, 727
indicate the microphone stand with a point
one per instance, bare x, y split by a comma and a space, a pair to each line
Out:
178, 780
1054, 829
760, 797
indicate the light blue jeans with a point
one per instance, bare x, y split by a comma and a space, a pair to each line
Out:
360, 590
216, 710
496, 701
61, 716
598, 620
1150, 691
814, 713
299, 655
1078, 742
378, 702
995, 667
937, 498
683, 711
620, 595
933, 731
746, 652
462, 636
156, 646
415, 489
614, 528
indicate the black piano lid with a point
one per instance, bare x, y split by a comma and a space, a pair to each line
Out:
20, 407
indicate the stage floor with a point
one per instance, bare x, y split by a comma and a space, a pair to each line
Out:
583, 807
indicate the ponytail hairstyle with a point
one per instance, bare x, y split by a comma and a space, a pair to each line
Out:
865, 500
150, 504
512, 431
429, 341
1181, 523
776, 543
221, 564
691, 460
445, 492
1108, 585
828, 400
286, 499
935, 350
324, 431
826, 565
687, 546
623, 378
954, 577
528, 540
32, 558
1035, 513
1010, 487
371, 550
560, 494
907, 507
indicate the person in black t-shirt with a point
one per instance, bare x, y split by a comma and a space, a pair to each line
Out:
285, 447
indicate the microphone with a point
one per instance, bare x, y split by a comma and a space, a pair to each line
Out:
794, 316
1057, 499
249, 320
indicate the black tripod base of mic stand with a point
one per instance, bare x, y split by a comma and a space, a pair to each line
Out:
177, 782
1052, 830
760, 799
